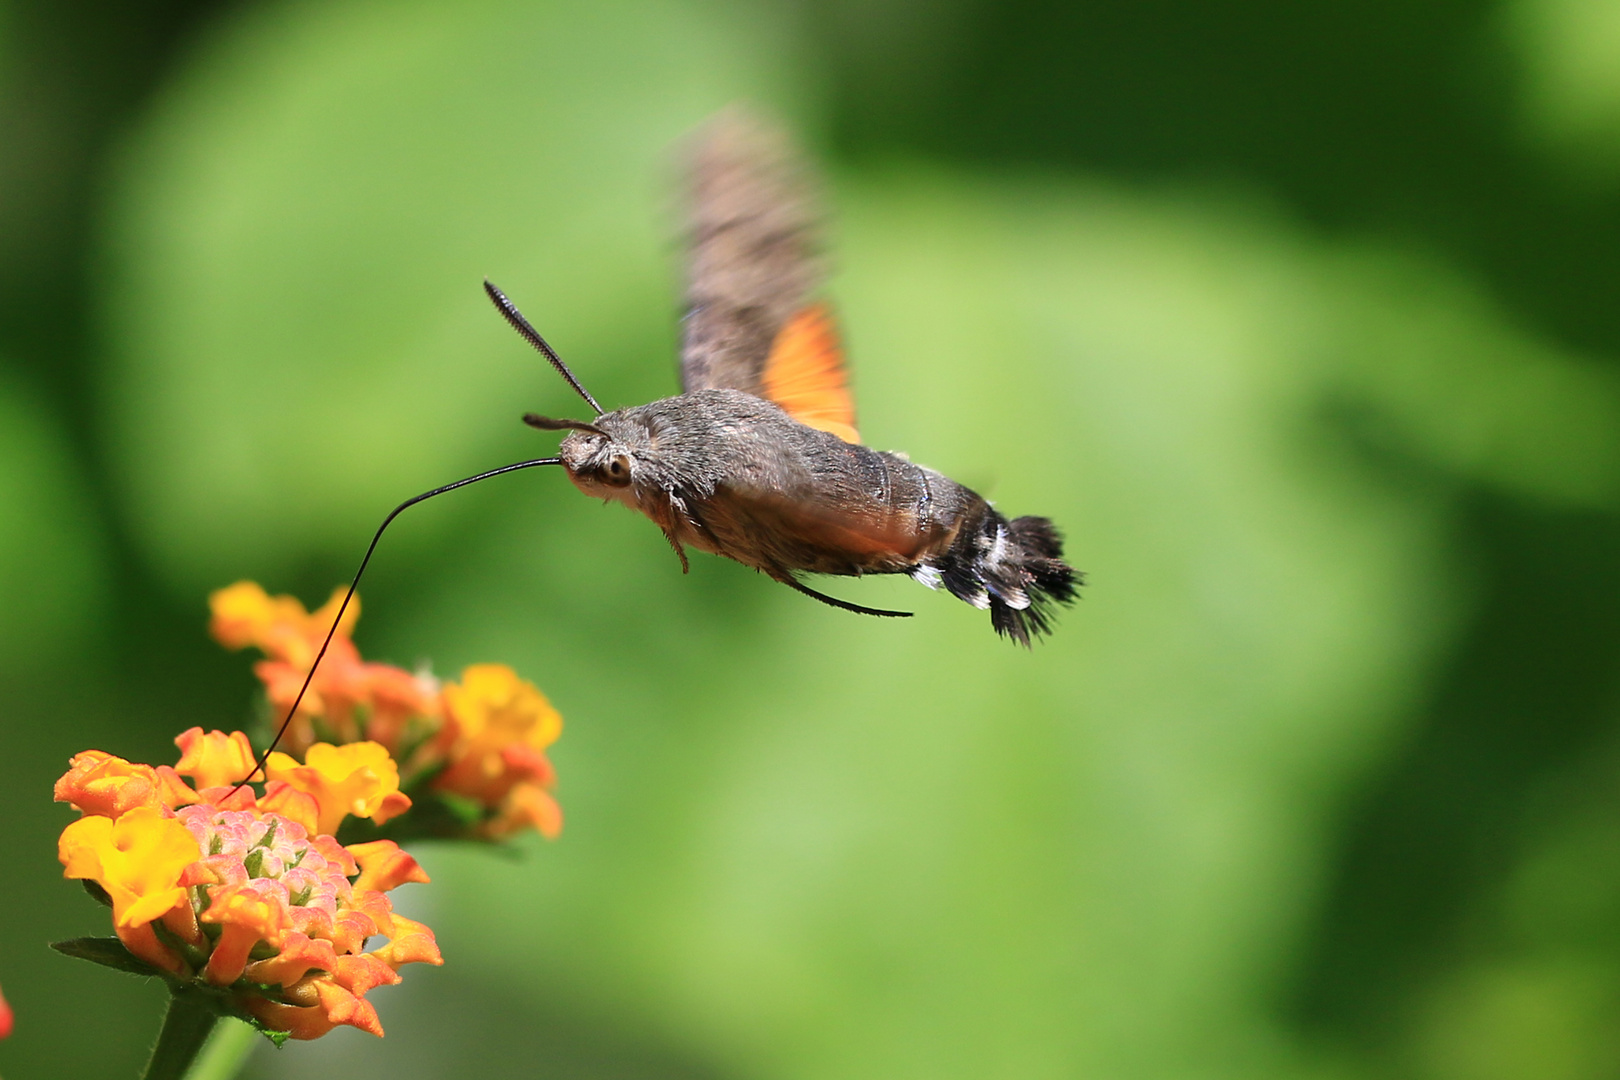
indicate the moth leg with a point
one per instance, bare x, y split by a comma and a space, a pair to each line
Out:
680, 552
793, 583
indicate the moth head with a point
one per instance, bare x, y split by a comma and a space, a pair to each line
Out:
600, 458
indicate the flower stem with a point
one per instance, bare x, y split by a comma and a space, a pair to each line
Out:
186, 1025
226, 1052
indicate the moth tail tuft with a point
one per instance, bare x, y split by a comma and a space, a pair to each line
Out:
1014, 569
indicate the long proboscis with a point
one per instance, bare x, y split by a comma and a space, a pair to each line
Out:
337, 619
512, 315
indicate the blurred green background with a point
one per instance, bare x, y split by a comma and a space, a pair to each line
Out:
1301, 320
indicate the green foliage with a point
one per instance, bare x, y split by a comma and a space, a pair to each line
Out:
1569, 55
50, 572
108, 952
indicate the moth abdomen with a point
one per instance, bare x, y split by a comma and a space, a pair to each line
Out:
1014, 569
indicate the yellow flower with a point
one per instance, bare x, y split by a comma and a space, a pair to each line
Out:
137, 859
497, 727
358, 778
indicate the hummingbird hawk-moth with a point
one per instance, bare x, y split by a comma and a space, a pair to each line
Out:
758, 459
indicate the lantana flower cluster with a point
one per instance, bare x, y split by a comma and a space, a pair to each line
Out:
248, 895
474, 748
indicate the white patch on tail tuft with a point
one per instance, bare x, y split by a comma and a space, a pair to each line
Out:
1017, 599
998, 550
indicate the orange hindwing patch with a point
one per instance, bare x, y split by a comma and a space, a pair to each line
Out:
805, 374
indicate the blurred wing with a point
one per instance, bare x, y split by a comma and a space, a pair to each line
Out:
753, 263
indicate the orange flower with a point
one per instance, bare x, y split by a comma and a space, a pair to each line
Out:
247, 913
397, 698
215, 759
332, 1004
282, 798
527, 806
383, 866
292, 896
244, 614
412, 943
299, 953
349, 699
234, 896
100, 783
359, 779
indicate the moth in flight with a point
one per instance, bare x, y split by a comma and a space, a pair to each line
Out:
759, 459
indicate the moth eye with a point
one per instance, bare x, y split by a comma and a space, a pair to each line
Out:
617, 470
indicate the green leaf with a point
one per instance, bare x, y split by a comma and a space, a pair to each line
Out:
108, 952
279, 1038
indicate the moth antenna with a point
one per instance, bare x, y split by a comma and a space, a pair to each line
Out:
546, 423
532, 336
354, 584
794, 583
